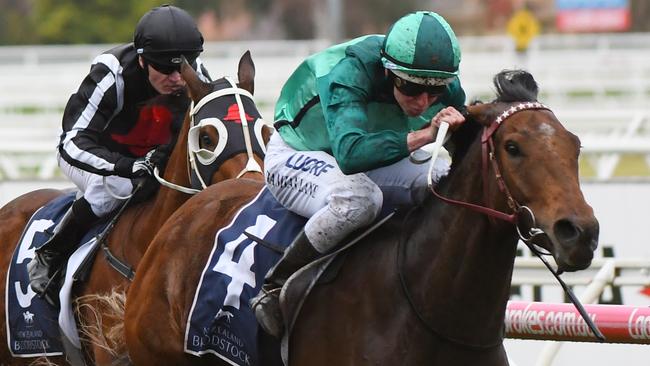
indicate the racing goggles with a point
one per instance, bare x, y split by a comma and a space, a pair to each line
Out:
411, 89
168, 63
165, 69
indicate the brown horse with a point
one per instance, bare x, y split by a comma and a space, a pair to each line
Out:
430, 286
134, 230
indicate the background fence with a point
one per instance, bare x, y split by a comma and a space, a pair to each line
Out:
597, 85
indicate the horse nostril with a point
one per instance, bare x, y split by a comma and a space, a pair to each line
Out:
592, 232
566, 230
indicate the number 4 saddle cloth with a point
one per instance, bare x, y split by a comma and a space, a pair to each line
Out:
221, 321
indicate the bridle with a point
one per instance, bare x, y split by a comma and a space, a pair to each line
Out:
203, 159
518, 210
487, 159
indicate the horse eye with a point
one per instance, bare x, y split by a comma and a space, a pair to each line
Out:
205, 140
512, 148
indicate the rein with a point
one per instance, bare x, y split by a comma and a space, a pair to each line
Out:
487, 156
401, 250
174, 186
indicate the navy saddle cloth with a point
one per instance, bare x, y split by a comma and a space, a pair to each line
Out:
33, 329
221, 322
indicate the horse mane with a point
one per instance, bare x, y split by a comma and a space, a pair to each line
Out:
462, 139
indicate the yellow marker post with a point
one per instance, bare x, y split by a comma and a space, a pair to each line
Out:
523, 27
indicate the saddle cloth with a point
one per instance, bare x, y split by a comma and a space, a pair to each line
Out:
34, 326
221, 321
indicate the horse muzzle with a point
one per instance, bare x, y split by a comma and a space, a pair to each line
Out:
574, 243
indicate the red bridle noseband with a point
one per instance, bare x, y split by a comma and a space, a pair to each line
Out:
487, 151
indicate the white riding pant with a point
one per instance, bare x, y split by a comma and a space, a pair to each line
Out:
94, 187
311, 184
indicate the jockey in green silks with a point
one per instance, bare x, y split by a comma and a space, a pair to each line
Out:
347, 120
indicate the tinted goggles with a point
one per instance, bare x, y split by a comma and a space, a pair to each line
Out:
411, 89
170, 63
165, 69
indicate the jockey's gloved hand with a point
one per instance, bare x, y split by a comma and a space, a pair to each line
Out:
143, 167
147, 187
159, 156
134, 168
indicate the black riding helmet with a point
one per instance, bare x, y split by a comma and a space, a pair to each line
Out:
165, 33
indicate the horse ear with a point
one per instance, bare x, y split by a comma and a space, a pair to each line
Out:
480, 113
196, 87
246, 72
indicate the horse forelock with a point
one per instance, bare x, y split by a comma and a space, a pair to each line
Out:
515, 86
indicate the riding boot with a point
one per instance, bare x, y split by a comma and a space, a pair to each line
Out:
267, 303
45, 267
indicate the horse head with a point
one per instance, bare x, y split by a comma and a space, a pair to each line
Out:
224, 135
537, 163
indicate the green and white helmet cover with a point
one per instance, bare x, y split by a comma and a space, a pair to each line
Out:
422, 48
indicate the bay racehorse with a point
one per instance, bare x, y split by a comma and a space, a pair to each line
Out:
428, 287
212, 145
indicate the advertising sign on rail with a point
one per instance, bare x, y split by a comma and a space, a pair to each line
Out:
562, 322
592, 15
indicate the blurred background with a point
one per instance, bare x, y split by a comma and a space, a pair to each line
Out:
591, 59
75, 21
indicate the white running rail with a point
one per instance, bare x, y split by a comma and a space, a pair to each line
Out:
597, 85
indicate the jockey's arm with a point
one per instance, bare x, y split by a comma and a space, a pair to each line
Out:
85, 118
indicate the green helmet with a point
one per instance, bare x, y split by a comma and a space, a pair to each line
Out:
421, 47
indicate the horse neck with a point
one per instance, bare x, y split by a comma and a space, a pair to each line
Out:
460, 271
167, 200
